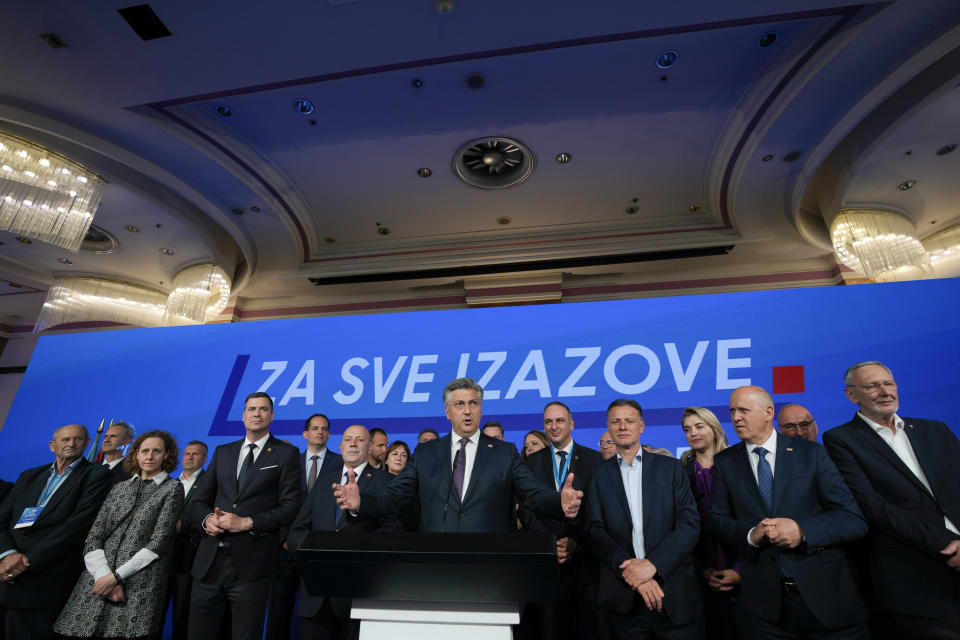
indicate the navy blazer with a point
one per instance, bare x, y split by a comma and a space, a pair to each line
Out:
907, 530
671, 529
487, 506
271, 497
54, 544
808, 489
583, 463
331, 462
319, 513
186, 541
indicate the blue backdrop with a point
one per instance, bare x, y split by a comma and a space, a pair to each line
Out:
388, 370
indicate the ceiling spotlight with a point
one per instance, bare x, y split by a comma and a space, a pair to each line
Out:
237, 211
424, 172
384, 231
444, 7
667, 59
165, 252
767, 158
906, 186
944, 150
65, 261
255, 209
793, 155
564, 158
303, 106
224, 111
476, 80
417, 83
768, 39
503, 220
694, 208
132, 228
329, 239
23, 240
631, 210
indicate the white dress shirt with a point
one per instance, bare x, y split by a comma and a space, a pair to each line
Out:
900, 443
245, 450
631, 474
96, 560
114, 463
556, 459
308, 463
358, 471
471, 454
189, 482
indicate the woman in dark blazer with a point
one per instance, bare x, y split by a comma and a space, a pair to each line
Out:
121, 592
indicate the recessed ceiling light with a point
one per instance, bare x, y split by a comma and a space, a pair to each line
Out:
237, 211
224, 111
329, 239
255, 209
944, 150
906, 186
417, 83
303, 106
793, 155
768, 39
694, 208
424, 172
564, 158
384, 231
23, 240
476, 81
503, 220
132, 228
166, 252
631, 210
767, 158
66, 261
667, 59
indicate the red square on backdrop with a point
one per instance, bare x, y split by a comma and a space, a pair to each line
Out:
788, 379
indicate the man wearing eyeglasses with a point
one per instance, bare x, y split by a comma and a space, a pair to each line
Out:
794, 421
464, 481
608, 448
905, 474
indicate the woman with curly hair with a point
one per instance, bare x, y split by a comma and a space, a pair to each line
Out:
122, 591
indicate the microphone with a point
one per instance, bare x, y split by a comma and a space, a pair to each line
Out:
446, 504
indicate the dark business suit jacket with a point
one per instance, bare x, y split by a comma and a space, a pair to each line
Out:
54, 544
808, 489
487, 506
583, 463
331, 462
187, 540
907, 530
319, 513
118, 473
671, 528
271, 496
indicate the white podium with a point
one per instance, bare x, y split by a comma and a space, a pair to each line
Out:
400, 620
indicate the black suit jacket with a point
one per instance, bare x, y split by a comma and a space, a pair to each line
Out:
487, 506
331, 462
907, 530
671, 528
118, 474
187, 540
583, 463
271, 497
319, 513
54, 544
808, 489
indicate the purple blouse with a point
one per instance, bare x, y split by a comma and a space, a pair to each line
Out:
717, 555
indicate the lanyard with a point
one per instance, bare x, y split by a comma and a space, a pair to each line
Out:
51, 486
560, 475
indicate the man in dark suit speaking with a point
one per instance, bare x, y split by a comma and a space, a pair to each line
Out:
249, 492
643, 525
905, 473
464, 481
43, 523
784, 505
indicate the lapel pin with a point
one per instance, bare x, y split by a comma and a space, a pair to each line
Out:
490, 446
269, 449
789, 448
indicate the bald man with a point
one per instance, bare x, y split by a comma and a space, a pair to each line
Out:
795, 421
42, 557
796, 580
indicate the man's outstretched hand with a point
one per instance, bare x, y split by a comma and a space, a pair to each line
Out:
570, 498
348, 495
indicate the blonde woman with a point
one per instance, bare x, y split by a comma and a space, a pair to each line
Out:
716, 563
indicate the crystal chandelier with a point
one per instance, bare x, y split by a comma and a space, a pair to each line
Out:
44, 195
944, 250
878, 243
82, 299
199, 294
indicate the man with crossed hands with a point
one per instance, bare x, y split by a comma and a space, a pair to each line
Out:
643, 523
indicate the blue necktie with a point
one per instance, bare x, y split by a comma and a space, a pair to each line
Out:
764, 478
560, 469
338, 513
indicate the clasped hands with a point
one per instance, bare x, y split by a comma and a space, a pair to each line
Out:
108, 587
566, 547
12, 566
952, 553
221, 521
721, 579
639, 573
782, 532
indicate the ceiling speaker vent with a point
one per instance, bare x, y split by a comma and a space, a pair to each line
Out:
493, 163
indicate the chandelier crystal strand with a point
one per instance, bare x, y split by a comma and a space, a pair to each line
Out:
198, 295
880, 244
44, 195
81, 299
